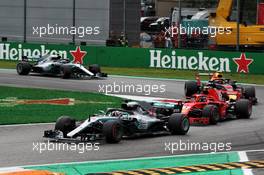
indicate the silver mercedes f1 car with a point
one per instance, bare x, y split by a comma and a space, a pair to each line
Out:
132, 119
57, 66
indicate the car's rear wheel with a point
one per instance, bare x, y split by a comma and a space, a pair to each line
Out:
250, 93
23, 68
65, 124
190, 88
66, 72
113, 131
211, 112
95, 68
243, 108
178, 124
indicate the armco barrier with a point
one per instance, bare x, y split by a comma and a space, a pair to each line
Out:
143, 58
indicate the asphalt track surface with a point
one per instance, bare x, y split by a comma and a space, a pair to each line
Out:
16, 142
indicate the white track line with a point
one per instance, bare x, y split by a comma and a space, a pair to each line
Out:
243, 158
30, 124
12, 170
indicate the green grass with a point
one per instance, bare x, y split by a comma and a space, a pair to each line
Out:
163, 73
38, 113
8, 64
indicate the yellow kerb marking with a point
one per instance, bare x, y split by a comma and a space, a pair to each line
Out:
226, 166
133, 173
196, 168
181, 169
164, 171
258, 161
149, 172
255, 164
211, 167
240, 165
117, 173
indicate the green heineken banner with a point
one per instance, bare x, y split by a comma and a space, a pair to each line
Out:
144, 58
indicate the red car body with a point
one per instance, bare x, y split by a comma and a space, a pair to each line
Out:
198, 107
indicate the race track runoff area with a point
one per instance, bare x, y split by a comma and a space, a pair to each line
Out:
228, 163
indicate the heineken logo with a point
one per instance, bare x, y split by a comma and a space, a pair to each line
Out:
78, 55
15, 53
243, 63
197, 62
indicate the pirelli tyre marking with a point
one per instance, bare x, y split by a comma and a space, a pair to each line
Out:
189, 169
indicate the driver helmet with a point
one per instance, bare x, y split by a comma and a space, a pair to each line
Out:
117, 113
130, 106
206, 90
216, 75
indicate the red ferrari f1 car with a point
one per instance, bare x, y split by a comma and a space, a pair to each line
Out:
207, 107
228, 88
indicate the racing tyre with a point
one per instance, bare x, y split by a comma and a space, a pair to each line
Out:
211, 112
66, 72
65, 125
250, 93
95, 68
113, 131
23, 68
190, 88
243, 108
178, 124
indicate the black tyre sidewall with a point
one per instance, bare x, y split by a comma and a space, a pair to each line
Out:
176, 124
243, 108
95, 69
23, 68
249, 92
113, 131
66, 72
190, 88
211, 112
65, 124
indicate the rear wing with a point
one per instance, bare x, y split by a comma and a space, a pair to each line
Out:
209, 74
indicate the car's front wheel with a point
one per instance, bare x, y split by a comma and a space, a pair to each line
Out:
243, 108
113, 131
65, 124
